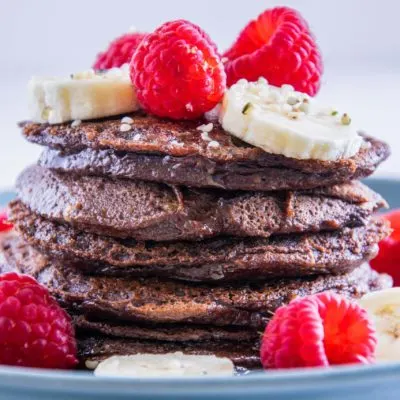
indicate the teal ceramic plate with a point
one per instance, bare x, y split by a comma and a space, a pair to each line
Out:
350, 382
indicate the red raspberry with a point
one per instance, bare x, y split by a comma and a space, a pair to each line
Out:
4, 224
119, 52
34, 330
178, 72
279, 46
388, 258
318, 330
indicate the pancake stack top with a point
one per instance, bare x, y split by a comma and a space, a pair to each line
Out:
156, 241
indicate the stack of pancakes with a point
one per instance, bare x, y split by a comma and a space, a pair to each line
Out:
170, 238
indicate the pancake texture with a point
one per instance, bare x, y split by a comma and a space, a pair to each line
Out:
168, 333
151, 211
161, 237
92, 349
176, 152
154, 300
218, 259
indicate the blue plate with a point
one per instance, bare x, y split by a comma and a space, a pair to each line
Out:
351, 382
5, 197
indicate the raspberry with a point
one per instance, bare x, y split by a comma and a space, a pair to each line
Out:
34, 330
119, 52
388, 258
278, 46
4, 224
318, 330
178, 72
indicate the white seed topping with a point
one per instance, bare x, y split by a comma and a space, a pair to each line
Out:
176, 143
283, 121
286, 89
292, 100
345, 120
285, 100
264, 98
213, 144
76, 123
262, 80
127, 120
304, 107
273, 97
205, 137
115, 72
89, 74
125, 128
206, 127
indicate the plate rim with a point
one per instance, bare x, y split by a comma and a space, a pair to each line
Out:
301, 380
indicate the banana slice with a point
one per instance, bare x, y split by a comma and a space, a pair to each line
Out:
85, 95
283, 121
161, 365
384, 308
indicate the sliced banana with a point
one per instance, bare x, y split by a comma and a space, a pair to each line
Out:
384, 308
162, 365
2, 259
82, 96
280, 120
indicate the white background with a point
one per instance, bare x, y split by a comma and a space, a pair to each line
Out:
360, 41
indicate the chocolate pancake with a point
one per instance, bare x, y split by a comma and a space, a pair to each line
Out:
167, 333
152, 211
97, 348
170, 302
177, 153
223, 258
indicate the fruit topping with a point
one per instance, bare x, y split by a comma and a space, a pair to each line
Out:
383, 307
170, 364
34, 330
278, 46
319, 330
388, 259
119, 52
4, 224
81, 96
178, 72
281, 120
